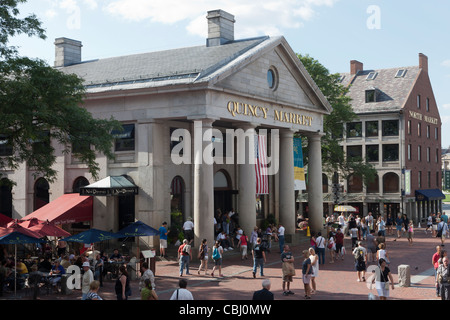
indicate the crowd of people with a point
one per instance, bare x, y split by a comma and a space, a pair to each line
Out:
367, 236
47, 270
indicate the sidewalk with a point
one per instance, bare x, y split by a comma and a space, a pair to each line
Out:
336, 281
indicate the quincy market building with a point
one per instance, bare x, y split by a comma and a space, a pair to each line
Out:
257, 85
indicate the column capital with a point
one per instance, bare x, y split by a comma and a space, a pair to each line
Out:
206, 121
287, 133
314, 136
246, 125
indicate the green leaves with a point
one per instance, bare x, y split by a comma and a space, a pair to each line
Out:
11, 25
41, 109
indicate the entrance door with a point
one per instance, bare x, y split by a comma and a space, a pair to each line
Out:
126, 209
41, 195
223, 199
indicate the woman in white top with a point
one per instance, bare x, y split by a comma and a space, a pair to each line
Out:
382, 254
315, 268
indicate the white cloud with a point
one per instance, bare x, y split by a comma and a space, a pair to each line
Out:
446, 106
91, 4
252, 17
445, 119
446, 63
50, 13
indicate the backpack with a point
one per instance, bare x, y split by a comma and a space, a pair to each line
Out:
359, 255
186, 249
216, 254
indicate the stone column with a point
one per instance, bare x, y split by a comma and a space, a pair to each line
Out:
286, 184
315, 194
203, 184
247, 180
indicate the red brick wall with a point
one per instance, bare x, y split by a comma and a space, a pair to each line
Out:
424, 89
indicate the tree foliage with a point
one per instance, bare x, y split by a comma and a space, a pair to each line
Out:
333, 155
41, 107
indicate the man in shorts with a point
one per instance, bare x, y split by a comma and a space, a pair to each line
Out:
288, 269
339, 243
163, 239
442, 230
371, 247
360, 254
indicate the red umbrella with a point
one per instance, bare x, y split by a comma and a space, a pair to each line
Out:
49, 229
30, 222
17, 227
4, 220
13, 222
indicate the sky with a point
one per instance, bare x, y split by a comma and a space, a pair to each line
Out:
379, 33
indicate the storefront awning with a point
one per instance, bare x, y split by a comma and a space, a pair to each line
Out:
110, 186
4, 220
69, 208
429, 195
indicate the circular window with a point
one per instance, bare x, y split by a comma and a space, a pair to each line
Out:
272, 78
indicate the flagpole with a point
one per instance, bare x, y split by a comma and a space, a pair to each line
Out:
15, 269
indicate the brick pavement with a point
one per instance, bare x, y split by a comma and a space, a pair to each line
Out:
335, 281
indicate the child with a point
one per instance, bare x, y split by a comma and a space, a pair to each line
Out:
410, 233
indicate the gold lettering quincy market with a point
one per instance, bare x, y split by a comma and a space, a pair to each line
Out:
240, 108
293, 118
246, 109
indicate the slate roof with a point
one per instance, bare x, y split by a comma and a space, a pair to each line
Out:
392, 92
176, 66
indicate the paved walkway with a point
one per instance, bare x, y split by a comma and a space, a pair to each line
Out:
336, 281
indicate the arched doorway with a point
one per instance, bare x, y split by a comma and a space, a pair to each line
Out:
41, 195
78, 183
391, 183
222, 192
6, 197
177, 212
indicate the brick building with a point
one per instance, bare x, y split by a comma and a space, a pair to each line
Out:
398, 130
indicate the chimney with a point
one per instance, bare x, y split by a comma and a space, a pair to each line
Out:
67, 52
423, 62
355, 66
220, 28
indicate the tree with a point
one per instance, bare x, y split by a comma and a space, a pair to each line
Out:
41, 107
333, 155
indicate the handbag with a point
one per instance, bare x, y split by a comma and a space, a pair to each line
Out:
288, 269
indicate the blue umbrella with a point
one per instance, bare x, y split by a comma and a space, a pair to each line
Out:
16, 238
92, 236
137, 229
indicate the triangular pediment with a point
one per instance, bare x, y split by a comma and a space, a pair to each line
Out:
293, 85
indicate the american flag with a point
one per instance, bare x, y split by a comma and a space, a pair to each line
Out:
262, 178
